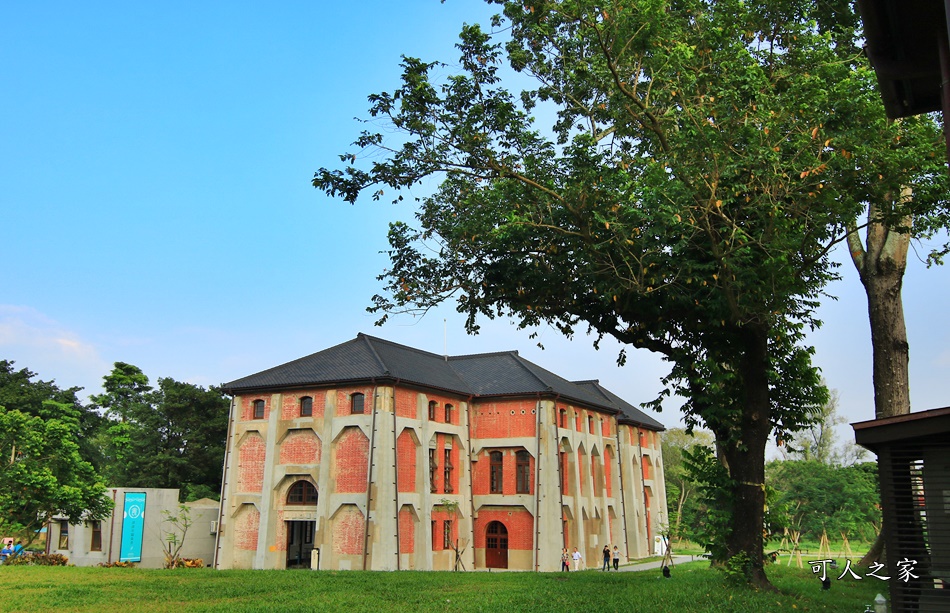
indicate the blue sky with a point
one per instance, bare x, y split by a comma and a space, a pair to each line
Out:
155, 167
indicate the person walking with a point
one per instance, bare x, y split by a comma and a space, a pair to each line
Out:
565, 560
577, 559
616, 558
606, 558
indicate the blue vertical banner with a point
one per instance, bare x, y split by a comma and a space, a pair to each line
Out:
133, 524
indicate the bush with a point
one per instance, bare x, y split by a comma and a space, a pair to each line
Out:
189, 563
117, 565
38, 559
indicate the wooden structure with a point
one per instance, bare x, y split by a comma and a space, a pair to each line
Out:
907, 46
914, 471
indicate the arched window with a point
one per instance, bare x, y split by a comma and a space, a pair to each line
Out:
448, 413
302, 492
356, 403
258, 409
432, 405
497, 472
523, 472
306, 406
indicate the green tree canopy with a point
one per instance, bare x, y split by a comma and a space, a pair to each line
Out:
702, 159
814, 497
43, 469
171, 437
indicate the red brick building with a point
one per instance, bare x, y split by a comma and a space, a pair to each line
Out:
374, 455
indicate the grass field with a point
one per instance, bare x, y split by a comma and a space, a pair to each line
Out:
693, 587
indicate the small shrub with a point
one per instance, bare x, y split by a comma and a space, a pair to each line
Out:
188, 563
38, 559
738, 568
117, 565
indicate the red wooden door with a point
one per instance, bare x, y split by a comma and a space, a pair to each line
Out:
496, 545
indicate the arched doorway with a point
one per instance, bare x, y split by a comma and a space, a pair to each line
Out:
496, 545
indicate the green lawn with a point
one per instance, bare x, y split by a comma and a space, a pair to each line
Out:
694, 587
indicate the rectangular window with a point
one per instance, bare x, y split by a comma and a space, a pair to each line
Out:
432, 405
563, 418
432, 469
96, 543
258, 409
447, 534
523, 472
63, 535
434, 534
496, 472
448, 413
447, 472
590, 424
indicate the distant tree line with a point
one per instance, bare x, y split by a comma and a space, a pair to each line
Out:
819, 486
60, 455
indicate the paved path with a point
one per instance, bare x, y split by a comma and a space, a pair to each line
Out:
656, 564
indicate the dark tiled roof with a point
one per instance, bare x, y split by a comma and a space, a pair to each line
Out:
630, 413
362, 359
368, 358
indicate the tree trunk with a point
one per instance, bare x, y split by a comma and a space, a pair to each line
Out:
746, 459
881, 269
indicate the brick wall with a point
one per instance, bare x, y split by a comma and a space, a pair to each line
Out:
406, 451
290, 408
246, 525
406, 403
281, 536
440, 515
440, 403
351, 461
247, 407
514, 418
348, 527
517, 520
407, 530
481, 472
301, 447
343, 400
251, 463
582, 471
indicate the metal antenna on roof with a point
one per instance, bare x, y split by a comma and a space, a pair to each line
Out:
445, 339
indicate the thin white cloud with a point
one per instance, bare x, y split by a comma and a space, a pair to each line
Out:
36, 341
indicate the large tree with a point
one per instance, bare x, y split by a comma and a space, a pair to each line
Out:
683, 199
171, 437
42, 468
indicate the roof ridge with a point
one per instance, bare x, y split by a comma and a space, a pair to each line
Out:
368, 340
369, 337
521, 361
465, 356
